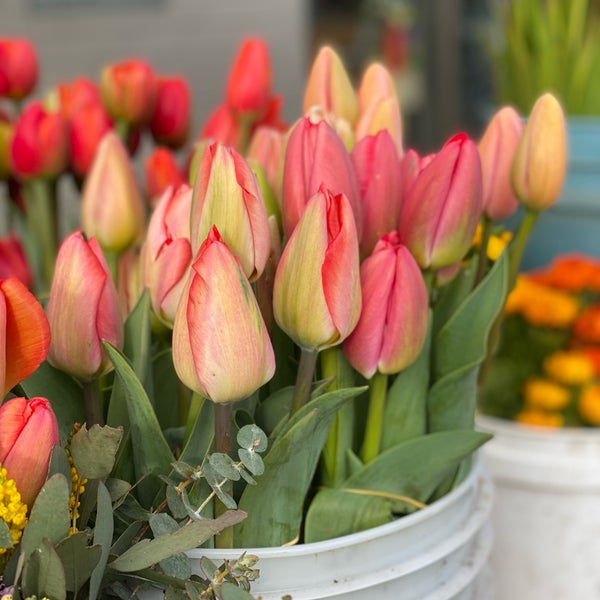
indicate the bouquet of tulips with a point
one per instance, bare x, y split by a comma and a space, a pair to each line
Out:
277, 343
547, 369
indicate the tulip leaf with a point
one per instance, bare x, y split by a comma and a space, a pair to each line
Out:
6, 540
94, 450
275, 505
103, 534
412, 469
149, 552
151, 453
78, 559
44, 575
49, 515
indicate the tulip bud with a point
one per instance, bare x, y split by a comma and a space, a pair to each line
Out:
167, 251
24, 334
222, 363
226, 195
329, 86
171, 119
129, 281
249, 82
392, 327
221, 126
77, 95
378, 170
112, 209
18, 68
442, 207
160, 172
39, 145
13, 262
496, 149
411, 165
83, 310
316, 295
128, 91
266, 148
540, 162
315, 156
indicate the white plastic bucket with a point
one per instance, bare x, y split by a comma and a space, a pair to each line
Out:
438, 553
546, 514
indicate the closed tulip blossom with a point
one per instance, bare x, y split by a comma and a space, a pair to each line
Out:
222, 126
496, 148
24, 334
83, 310
393, 322
221, 348
540, 162
29, 432
316, 295
13, 262
167, 251
170, 122
161, 171
266, 147
18, 68
226, 194
76, 95
443, 205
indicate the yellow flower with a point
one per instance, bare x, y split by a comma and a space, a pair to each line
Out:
540, 418
569, 367
12, 510
589, 404
543, 394
77, 487
496, 242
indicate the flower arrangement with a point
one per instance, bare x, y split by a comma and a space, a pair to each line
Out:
546, 370
277, 343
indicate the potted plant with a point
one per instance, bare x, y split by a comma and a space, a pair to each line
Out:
279, 356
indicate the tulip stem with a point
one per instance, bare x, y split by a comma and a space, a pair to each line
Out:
112, 260
374, 427
93, 409
517, 246
483, 246
196, 404
304, 378
223, 421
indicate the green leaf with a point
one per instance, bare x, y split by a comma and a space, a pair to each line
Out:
94, 450
149, 552
43, 575
275, 505
224, 466
252, 461
6, 540
217, 482
452, 401
412, 469
230, 591
252, 437
78, 559
273, 409
103, 534
49, 515
151, 453
59, 463
178, 565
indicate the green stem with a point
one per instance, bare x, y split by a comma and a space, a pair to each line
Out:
518, 244
377, 397
196, 404
483, 246
223, 420
112, 259
93, 408
304, 378
122, 128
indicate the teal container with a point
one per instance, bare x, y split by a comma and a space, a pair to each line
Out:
573, 223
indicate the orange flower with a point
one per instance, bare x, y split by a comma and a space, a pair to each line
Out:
540, 418
544, 394
589, 404
571, 272
593, 353
586, 327
569, 367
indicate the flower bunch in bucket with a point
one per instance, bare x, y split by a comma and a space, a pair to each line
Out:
278, 347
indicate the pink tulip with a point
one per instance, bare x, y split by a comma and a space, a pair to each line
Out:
393, 323
83, 309
316, 295
443, 205
226, 194
497, 149
24, 334
167, 251
129, 281
13, 262
378, 170
266, 148
170, 122
29, 431
18, 68
315, 156
221, 348
161, 171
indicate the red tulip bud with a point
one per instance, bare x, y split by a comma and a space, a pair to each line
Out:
171, 119
13, 262
18, 68
160, 172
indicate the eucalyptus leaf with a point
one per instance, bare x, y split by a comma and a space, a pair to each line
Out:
78, 559
230, 591
178, 565
103, 535
175, 502
43, 575
94, 450
6, 540
252, 438
149, 552
224, 466
252, 461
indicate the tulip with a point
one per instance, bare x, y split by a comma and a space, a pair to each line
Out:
540, 162
221, 348
226, 194
378, 170
128, 91
266, 148
18, 68
167, 251
24, 334
77, 95
83, 310
221, 126
39, 145
249, 82
411, 165
329, 86
393, 323
496, 149
161, 171
13, 262
338, 124
443, 205
129, 281
316, 295
314, 156
112, 209
29, 432
171, 119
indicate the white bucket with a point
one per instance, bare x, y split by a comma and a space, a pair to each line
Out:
438, 553
546, 515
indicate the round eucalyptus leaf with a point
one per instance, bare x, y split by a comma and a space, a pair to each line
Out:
253, 438
252, 461
224, 466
